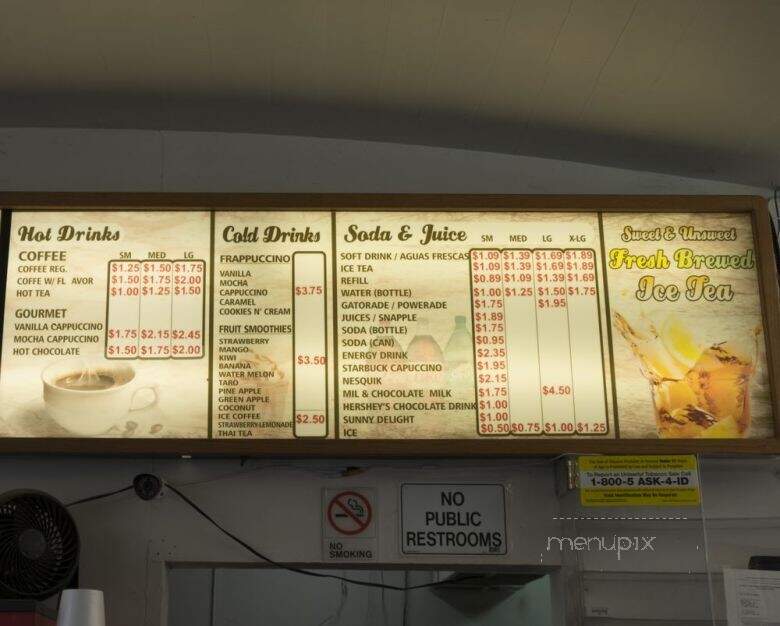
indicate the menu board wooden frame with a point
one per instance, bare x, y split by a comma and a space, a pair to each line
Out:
768, 281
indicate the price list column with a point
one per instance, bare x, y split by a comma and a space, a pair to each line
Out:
155, 310
310, 373
489, 342
583, 321
187, 305
522, 342
552, 319
124, 297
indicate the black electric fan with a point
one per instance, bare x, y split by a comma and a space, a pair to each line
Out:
39, 546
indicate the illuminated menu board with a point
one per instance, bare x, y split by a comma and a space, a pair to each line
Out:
366, 325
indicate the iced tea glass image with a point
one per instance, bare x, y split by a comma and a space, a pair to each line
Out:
697, 391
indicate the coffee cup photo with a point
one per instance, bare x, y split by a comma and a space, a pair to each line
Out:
88, 397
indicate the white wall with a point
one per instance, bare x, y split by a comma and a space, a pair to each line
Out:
276, 505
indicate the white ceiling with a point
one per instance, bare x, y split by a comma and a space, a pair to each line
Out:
683, 86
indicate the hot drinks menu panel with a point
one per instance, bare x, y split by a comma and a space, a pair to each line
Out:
382, 325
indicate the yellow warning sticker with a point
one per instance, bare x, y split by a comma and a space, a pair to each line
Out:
670, 480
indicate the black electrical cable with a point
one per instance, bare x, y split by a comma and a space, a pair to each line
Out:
297, 570
100, 496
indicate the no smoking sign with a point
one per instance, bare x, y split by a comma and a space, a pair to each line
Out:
348, 525
349, 513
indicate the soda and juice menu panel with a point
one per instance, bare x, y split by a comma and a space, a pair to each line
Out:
470, 325
236, 324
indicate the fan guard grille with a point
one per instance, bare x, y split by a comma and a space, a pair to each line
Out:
39, 545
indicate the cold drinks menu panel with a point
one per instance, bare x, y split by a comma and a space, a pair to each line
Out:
381, 325
273, 313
